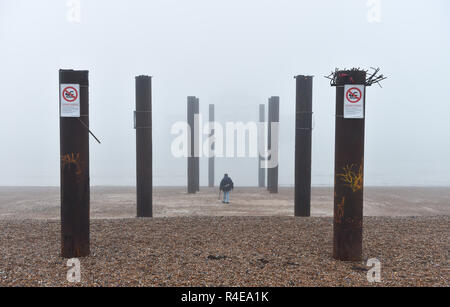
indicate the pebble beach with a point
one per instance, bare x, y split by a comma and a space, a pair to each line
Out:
227, 251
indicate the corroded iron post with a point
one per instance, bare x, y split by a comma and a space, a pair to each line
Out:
349, 166
74, 171
303, 142
143, 125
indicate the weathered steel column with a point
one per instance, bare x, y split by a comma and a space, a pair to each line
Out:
349, 168
197, 145
74, 152
303, 140
211, 146
144, 170
261, 134
191, 187
274, 119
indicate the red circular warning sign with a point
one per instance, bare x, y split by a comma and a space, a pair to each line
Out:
354, 95
70, 94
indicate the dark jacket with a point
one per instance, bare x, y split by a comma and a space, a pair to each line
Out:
226, 184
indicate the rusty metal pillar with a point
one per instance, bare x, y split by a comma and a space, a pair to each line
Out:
261, 134
74, 171
303, 142
349, 168
143, 126
191, 186
274, 118
212, 147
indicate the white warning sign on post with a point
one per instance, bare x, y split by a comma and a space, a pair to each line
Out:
354, 101
70, 100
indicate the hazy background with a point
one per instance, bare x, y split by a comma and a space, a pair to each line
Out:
235, 54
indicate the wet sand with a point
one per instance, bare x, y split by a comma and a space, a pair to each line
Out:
119, 202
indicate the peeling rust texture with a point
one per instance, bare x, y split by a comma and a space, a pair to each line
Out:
74, 171
144, 149
349, 175
303, 140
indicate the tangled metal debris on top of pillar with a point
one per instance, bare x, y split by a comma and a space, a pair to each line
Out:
372, 77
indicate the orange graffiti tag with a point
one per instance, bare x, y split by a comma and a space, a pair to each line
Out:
340, 211
72, 159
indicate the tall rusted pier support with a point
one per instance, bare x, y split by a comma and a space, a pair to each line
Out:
144, 153
261, 134
211, 146
349, 167
192, 107
74, 152
273, 122
303, 142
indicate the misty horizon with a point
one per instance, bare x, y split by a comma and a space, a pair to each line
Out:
235, 55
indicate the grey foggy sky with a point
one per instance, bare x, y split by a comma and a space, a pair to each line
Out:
235, 54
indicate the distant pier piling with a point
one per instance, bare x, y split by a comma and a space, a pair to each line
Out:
191, 189
197, 145
273, 121
212, 147
261, 143
193, 173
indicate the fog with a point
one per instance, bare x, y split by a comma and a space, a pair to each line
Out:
234, 54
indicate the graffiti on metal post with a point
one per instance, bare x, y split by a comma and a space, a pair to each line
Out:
72, 159
340, 211
353, 177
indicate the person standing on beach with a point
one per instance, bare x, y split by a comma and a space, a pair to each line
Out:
226, 185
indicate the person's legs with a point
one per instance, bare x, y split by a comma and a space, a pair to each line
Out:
228, 197
224, 197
